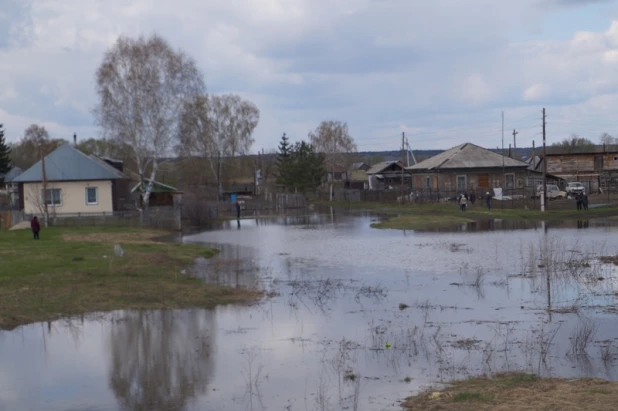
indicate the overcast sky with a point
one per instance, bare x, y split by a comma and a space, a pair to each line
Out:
440, 70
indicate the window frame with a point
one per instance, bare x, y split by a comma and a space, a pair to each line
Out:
465, 185
51, 204
506, 183
96, 190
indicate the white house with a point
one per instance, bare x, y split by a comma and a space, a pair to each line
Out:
76, 183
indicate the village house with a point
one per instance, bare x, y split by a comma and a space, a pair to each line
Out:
12, 189
357, 180
76, 183
336, 172
386, 175
535, 175
160, 194
593, 166
466, 168
360, 166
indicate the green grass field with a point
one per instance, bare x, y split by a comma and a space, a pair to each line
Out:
518, 392
73, 271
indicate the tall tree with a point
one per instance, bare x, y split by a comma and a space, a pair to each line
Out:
575, 144
607, 139
5, 153
217, 127
34, 143
300, 167
334, 140
142, 85
283, 161
102, 147
306, 171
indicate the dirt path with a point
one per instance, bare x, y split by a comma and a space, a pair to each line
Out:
520, 392
21, 226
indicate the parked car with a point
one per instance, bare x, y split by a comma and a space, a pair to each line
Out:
575, 188
553, 192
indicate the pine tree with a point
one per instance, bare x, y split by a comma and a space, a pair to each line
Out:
284, 162
307, 171
5, 153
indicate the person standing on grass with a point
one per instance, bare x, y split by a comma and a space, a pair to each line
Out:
472, 197
36, 227
463, 202
488, 200
585, 201
237, 210
578, 200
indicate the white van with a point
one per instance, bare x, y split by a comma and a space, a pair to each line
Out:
553, 191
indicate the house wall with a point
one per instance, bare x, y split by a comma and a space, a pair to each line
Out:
474, 179
73, 197
581, 163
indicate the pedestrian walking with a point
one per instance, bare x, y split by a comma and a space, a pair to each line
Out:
36, 227
463, 202
237, 210
579, 201
488, 200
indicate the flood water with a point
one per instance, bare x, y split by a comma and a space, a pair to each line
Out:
360, 319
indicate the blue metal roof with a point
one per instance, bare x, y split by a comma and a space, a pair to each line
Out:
67, 163
13, 173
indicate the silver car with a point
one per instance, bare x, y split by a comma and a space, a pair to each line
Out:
553, 191
575, 188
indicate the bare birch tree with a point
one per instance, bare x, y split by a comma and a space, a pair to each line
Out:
607, 139
217, 127
333, 140
142, 86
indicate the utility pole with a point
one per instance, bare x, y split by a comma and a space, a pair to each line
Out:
220, 188
544, 199
533, 157
259, 167
515, 133
255, 177
45, 209
503, 172
407, 153
403, 140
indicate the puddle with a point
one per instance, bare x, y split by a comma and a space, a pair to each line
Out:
362, 318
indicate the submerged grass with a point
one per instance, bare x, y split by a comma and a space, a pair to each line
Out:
519, 392
422, 216
72, 271
416, 222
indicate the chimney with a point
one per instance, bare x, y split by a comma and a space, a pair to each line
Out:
75, 139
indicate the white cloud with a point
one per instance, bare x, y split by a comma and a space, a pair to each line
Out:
444, 67
536, 92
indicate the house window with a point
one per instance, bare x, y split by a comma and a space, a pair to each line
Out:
427, 182
461, 183
53, 197
509, 181
615, 158
92, 195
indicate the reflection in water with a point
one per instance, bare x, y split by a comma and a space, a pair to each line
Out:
161, 360
235, 266
360, 318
